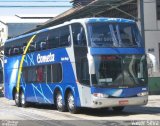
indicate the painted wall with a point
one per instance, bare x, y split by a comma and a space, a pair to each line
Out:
152, 33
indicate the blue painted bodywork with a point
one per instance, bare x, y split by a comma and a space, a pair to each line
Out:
120, 51
44, 92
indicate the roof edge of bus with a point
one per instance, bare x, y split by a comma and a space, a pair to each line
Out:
91, 19
103, 19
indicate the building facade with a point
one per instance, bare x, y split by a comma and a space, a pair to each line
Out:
152, 32
3, 32
3, 38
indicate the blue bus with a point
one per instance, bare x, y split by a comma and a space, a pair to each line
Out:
90, 62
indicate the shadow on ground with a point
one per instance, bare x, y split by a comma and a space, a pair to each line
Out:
132, 110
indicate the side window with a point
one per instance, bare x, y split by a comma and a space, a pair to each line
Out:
79, 38
56, 72
41, 74
31, 74
12, 48
65, 39
53, 39
49, 74
40, 42
59, 37
83, 71
24, 42
25, 74
16, 47
37, 74
7, 49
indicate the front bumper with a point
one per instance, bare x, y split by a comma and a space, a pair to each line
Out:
113, 102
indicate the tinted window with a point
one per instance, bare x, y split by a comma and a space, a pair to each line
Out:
40, 42
114, 35
78, 33
16, 47
24, 42
59, 37
64, 36
84, 72
49, 74
37, 74
31, 75
41, 72
57, 72
12, 48
55, 38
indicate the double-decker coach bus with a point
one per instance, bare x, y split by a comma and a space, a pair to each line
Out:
90, 62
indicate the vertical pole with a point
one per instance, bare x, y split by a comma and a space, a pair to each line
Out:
142, 20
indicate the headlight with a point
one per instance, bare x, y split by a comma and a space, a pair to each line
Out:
142, 94
100, 95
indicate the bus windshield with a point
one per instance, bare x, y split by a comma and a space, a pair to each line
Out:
120, 71
114, 35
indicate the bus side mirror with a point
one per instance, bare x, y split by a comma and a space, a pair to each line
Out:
91, 64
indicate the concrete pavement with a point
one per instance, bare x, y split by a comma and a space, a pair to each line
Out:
46, 114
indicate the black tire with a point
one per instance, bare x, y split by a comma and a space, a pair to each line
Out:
17, 99
23, 100
59, 102
72, 108
120, 108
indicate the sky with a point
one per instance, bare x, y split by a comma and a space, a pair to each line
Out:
33, 7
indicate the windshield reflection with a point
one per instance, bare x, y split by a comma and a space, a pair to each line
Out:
114, 35
115, 71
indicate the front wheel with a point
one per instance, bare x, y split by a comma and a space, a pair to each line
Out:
71, 103
17, 99
23, 100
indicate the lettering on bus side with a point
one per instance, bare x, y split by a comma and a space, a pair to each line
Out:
45, 58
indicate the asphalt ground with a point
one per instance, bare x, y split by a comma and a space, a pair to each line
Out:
40, 115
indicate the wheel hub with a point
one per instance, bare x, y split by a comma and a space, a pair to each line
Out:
71, 101
59, 100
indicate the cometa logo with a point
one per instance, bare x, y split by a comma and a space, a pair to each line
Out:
45, 58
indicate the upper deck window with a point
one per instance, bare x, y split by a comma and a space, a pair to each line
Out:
49, 39
78, 33
114, 35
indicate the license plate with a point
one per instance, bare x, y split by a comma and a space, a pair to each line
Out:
123, 102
